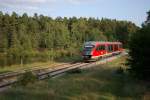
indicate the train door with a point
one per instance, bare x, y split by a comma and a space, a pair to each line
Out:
102, 49
97, 52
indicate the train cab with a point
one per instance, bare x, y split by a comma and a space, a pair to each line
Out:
87, 51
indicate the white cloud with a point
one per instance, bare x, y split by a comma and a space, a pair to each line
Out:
22, 1
36, 2
38, 5
23, 4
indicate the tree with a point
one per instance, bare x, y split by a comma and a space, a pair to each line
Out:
147, 22
25, 39
3, 41
139, 47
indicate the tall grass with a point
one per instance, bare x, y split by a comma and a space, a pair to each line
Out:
98, 83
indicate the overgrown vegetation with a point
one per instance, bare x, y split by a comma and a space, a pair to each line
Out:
102, 82
139, 51
25, 79
25, 39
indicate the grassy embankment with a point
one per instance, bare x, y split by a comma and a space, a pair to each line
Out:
103, 82
17, 67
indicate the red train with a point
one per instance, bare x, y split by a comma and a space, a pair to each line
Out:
96, 50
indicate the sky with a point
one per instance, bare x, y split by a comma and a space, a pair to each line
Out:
130, 10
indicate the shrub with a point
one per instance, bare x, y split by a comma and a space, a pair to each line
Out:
26, 78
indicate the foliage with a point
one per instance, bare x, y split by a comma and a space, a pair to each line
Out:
139, 51
25, 39
26, 78
147, 22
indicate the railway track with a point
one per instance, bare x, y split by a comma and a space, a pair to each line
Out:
10, 78
33, 69
7, 79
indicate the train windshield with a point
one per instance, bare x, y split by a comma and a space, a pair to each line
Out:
88, 48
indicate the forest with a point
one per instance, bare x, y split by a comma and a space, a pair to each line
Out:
26, 39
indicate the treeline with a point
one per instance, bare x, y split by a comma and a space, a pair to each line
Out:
25, 39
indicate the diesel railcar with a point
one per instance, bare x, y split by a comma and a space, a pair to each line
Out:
94, 50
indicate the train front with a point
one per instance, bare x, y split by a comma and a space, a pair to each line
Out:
87, 52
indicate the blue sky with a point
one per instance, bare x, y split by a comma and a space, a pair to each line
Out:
131, 10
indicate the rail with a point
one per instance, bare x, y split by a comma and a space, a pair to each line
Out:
8, 80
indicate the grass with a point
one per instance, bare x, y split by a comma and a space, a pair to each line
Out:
25, 66
70, 59
98, 83
39, 64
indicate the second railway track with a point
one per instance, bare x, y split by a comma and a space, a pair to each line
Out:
10, 78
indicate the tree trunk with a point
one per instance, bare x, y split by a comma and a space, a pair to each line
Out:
21, 61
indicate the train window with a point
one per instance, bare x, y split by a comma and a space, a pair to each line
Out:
110, 48
102, 47
88, 48
98, 48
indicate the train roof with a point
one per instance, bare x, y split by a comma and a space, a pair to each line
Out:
100, 42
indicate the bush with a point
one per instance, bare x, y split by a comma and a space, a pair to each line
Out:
26, 78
